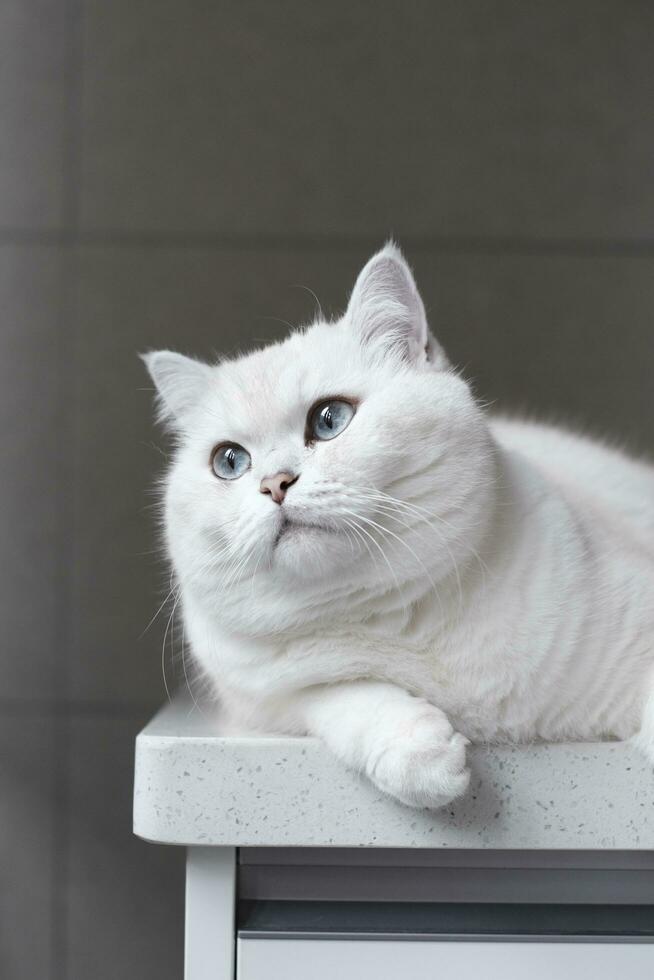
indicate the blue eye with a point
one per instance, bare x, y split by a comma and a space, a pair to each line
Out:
329, 419
229, 461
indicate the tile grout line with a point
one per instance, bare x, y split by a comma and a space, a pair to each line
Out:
59, 965
76, 708
491, 245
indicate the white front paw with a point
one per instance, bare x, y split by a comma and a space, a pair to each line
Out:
425, 767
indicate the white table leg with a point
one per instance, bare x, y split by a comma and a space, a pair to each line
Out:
210, 897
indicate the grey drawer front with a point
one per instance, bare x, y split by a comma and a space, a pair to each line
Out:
288, 959
445, 921
366, 884
440, 857
320, 874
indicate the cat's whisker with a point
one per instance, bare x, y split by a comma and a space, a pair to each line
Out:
421, 511
236, 572
299, 285
239, 576
385, 530
275, 319
350, 540
360, 537
163, 645
158, 612
254, 574
392, 513
383, 554
464, 528
230, 573
186, 677
214, 555
392, 510
209, 563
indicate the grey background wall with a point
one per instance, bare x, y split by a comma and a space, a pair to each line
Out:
168, 174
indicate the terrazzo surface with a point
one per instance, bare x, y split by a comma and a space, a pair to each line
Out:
195, 787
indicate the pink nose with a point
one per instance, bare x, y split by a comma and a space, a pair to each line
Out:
277, 485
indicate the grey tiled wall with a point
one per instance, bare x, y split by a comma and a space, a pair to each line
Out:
170, 175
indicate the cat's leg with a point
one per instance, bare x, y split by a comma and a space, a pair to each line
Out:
404, 744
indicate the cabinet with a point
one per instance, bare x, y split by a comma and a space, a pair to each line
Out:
298, 868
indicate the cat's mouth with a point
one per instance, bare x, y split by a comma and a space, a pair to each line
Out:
290, 525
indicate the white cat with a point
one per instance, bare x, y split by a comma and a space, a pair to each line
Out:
365, 555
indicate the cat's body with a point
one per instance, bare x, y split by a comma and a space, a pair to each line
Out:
429, 575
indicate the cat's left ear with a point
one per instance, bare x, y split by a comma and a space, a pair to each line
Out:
179, 381
386, 309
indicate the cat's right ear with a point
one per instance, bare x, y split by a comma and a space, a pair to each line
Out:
386, 310
178, 380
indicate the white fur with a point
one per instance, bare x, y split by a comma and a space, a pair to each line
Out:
455, 577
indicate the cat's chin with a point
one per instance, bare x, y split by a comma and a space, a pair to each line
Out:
300, 547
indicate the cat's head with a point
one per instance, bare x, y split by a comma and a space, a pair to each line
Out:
343, 458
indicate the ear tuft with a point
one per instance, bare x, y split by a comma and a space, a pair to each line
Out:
179, 381
386, 309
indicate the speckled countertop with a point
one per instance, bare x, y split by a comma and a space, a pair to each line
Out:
192, 786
